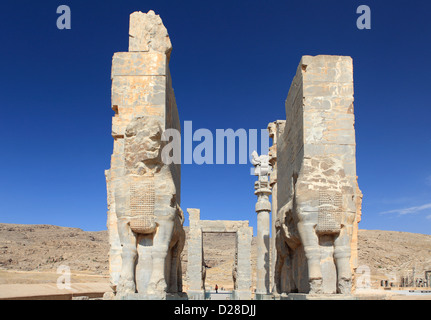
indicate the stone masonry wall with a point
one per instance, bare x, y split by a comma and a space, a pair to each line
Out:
141, 87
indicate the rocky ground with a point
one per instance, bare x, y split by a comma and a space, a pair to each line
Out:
32, 254
45, 247
392, 254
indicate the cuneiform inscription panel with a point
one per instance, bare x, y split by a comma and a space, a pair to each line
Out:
142, 199
329, 218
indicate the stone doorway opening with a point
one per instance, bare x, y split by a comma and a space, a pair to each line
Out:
219, 260
239, 271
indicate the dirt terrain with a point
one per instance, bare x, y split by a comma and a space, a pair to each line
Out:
32, 254
392, 254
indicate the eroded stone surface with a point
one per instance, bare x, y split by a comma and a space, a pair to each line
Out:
145, 221
147, 33
318, 199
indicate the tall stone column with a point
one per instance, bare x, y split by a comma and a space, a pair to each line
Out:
263, 208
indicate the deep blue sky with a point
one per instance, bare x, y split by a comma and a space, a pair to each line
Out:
232, 65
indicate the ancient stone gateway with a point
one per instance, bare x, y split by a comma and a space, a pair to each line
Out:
195, 266
317, 195
145, 221
316, 199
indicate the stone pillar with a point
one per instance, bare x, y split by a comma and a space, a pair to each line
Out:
317, 191
262, 279
242, 290
144, 215
263, 208
195, 275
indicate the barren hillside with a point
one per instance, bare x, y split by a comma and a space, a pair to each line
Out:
394, 254
32, 254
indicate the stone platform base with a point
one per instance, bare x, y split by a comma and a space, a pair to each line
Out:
196, 295
241, 295
222, 295
305, 296
141, 296
50, 291
263, 296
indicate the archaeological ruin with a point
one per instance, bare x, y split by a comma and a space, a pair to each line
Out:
318, 198
196, 269
307, 246
145, 221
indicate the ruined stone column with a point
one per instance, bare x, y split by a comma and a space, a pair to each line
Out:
263, 208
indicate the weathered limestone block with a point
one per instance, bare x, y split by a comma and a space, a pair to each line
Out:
318, 197
145, 221
147, 33
195, 265
139, 64
222, 225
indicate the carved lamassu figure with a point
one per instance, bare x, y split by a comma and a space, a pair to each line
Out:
319, 219
318, 198
149, 218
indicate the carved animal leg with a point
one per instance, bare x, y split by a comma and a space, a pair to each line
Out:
115, 251
310, 242
290, 285
173, 274
128, 256
161, 242
280, 261
177, 245
169, 264
342, 253
180, 248
179, 276
277, 274
145, 263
